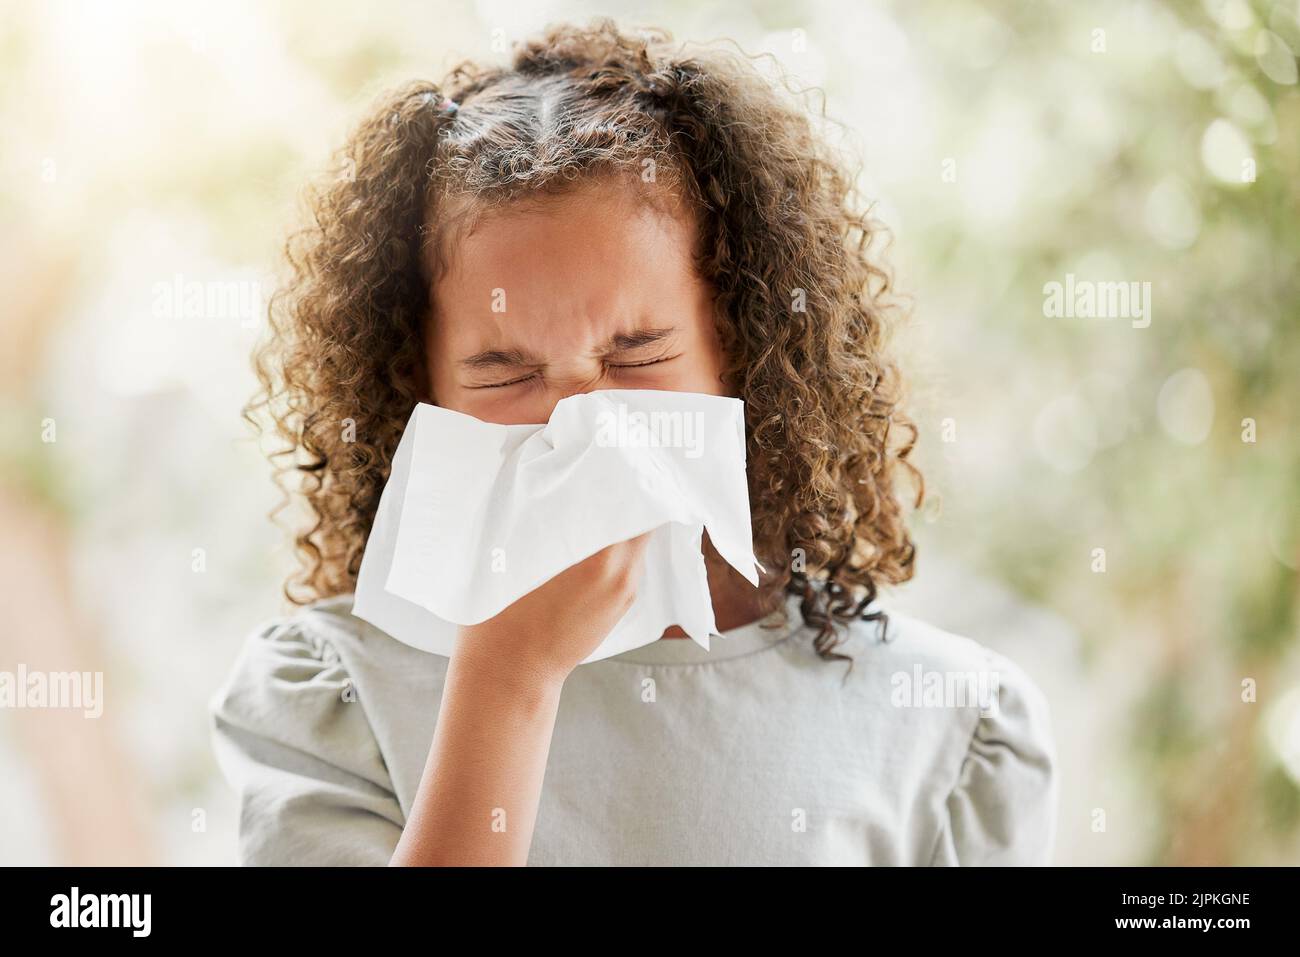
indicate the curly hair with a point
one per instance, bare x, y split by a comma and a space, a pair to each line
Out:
803, 304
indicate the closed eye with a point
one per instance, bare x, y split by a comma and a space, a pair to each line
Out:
502, 385
638, 365
612, 365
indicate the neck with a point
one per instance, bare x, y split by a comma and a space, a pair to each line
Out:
735, 600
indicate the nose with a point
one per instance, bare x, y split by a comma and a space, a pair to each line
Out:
560, 387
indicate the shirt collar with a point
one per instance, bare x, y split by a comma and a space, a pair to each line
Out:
755, 636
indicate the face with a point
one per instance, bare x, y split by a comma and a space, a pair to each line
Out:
590, 290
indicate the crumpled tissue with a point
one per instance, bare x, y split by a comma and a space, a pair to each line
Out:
476, 515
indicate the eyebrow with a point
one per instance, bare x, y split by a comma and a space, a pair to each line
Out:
518, 358
494, 358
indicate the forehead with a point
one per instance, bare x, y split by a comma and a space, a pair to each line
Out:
595, 254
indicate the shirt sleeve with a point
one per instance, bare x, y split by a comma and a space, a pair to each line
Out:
293, 740
1002, 810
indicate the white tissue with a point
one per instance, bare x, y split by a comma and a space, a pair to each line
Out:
476, 515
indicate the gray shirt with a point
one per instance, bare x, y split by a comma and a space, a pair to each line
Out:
932, 750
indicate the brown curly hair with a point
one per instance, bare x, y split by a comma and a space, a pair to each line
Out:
802, 303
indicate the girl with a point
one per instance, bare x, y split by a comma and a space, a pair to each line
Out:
659, 220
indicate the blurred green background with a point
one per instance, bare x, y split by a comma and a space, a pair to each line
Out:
1113, 505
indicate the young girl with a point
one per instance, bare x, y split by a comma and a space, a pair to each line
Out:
658, 220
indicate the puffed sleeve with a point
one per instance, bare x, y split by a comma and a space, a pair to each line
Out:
1002, 810
296, 745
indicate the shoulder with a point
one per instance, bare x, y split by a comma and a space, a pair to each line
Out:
287, 652
293, 740
291, 682
278, 658
910, 654
994, 761
909, 642
319, 653
319, 642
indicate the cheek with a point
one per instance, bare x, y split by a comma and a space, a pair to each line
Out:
702, 367
517, 405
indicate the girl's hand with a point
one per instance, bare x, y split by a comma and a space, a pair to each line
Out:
497, 715
551, 630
